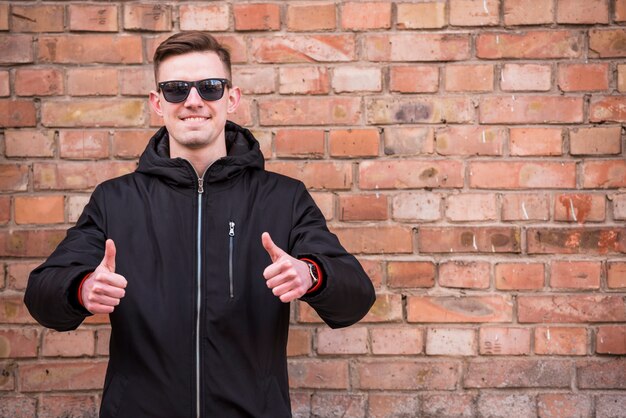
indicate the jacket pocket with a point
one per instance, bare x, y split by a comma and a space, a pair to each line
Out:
231, 250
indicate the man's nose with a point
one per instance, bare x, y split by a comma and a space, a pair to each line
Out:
193, 99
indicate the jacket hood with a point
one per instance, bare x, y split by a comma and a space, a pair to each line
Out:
243, 153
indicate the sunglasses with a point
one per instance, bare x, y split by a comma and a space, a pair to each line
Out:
210, 89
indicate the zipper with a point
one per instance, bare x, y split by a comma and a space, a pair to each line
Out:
198, 291
231, 239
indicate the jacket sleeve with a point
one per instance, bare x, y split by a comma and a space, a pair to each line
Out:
51, 294
348, 293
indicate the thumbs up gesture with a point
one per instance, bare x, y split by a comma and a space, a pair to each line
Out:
102, 290
288, 277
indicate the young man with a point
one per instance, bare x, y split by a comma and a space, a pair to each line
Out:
195, 256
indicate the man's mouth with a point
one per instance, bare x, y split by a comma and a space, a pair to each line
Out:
194, 118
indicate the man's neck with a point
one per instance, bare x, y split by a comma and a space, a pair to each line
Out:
200, 158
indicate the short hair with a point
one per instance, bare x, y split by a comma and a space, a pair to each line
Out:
186, 42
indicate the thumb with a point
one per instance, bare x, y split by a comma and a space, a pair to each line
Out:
272, 249
108, 261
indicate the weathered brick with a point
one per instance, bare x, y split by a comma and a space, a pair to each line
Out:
616, 275
148, 17
528, 12
304, 48
620, 10
582, 11
608, 108
576, 240
353, 143
474, 12
255, 80
83, 144
410, 174
448, 405
93, 113
536, 141
360, 16
570, 309
75, 206
397, 341
38, 82
136, 81
311, 17
409, 141
67, 406
17, 113
17, 274
410, 274
299, 342
363, 207
304, 80
204, 17
579, 208
93, 17
621, 78
536, 44
531, 109
522, 175
525, 207
526, 77
90, 49
318, 374
611, 339
317, 175
14, 177
557, 405
597, 140
417, 207
29, 243
583, 77
428, 15
92, 81
466, 309
470, 140
5, 88
517, 373
469, 239
310, 111
351, 340
387, 308
17, 406
29, 143
264, 136
299, 143
566, 341
54, 376
604, 174
464, 274
68, 344
471, 207
608, 406
18, 343
5, 217
355, 79
519, 276
501, 341
390, 405
257, 16
414, 79
506, 405
376, 240
47, 209
16, 49
407, 375
37, 18
77, 176
416, 47
13, 310
451, 342
4, 17
7, 383
300, 403
599, 374
423, 110
337, 404
374, 270
607, 43
103, 335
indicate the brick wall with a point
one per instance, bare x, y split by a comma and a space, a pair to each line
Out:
469, 152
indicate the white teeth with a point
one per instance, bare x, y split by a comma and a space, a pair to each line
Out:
195, 119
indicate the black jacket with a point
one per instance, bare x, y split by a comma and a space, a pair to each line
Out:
179, 248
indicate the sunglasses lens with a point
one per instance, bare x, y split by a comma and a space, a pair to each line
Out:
211, 89
175, 91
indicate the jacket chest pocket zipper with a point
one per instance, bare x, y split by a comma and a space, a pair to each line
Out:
231, 249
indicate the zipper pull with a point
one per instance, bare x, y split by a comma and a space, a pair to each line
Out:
231, 230
200, 185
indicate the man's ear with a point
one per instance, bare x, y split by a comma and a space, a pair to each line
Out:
234, 97
155, 102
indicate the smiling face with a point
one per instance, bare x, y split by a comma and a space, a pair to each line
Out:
195, 126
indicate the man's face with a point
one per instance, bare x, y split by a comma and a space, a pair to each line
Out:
194, 124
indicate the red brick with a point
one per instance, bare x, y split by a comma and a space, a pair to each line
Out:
407, 375
242, 116
39, 18
469, 78
18, 343
16, 49
39, 209
620, 10
474, 12
4, 17
424, 110
528, 12
575, 274
416, 47
79, 175
363, 208
355, 79
582, 11
579, 208
576, 240
13, 310
376, 240
338, 404
608, 108
471, 207
448, 405
619, 206
621, 78
317, 175
5, 88
344, 341
526, 77
67, 406
604, 174
354, 143
299, 342
536, 141
92, 81
29, 143
304, 48
31, 243
204, 17
583, 77
55, 376
300, 403
68, 344
304, 80
563, 341
469, 239
597, 374
257, 16
98, 319
93, 18
504, 341
93, 113
410, 174
365, 16
597, 140
611, 339
557, 405
255, 80
525, 207
310, 111
531, 109
470, 140
83, 144
129, 144
149, 17
135, 81
518, 373
91, 49
17, 406
17, 274
17, 113
311, 17
519, 276
607, 43
616, 275
38, 82
451, 342
7, 383
5, 215
374, 270
610, 406
409, 141
387, 308
429, 15
318, 374
522, 175
299, 143
397, 341
411, 274
466, 309
530, 45
414, 79
388, 405
417, 206
265, 141
14, 177
506, 405
465, 274
571, 309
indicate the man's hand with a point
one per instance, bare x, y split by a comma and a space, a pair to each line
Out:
288, 277
102, 290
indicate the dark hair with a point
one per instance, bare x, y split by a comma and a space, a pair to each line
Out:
186, 42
